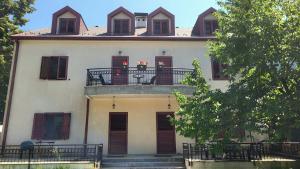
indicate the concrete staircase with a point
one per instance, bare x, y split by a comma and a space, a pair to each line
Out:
143, 162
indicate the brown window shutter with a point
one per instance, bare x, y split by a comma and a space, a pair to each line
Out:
44, 68
62, 67
38, 128
65, 133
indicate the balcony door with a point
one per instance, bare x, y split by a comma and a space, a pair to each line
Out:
119, 73
165, 133
117, 133
164, 71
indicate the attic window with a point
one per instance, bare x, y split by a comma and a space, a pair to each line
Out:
121, 26
67, 25
210, 26
161, 27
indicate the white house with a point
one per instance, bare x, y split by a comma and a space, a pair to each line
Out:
74, 84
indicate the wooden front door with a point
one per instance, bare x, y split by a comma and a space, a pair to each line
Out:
117, 133
164, 71
119, 75
165, 134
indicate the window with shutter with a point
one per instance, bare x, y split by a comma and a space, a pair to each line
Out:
161, 27
67, 25
121, 26
38, 126
54, 68
51, 126
210, 27
218, 70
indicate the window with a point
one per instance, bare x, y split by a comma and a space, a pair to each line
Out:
67, 25
51, 126
121, 26
161, 27
210, 27
54, 68
218, 70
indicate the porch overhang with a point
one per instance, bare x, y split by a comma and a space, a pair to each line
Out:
137, 89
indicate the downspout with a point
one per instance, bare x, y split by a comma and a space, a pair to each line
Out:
10, 93
86, 127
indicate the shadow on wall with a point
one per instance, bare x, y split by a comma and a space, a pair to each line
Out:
246, 165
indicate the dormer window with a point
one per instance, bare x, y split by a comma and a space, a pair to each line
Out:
67, 25
120, 22
210, 27
161, 22
67, 21
161, 27
121, 26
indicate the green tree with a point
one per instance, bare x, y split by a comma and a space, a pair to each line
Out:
12, 14
197, 117
260, 40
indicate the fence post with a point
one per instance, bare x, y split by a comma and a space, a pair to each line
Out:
98, 161
29, 158
191, 155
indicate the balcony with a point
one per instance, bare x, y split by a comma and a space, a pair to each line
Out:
133, 80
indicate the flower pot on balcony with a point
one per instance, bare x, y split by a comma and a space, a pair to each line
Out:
141, 67
124, 67
160, 67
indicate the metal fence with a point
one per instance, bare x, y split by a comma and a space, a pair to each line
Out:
52, 153
241, 151
133, 75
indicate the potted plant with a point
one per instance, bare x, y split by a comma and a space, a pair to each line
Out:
160, 65
125, 65
142, 65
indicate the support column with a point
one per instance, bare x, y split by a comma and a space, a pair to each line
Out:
86, 128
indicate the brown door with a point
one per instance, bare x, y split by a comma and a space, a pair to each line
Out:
119, 71
164, 71
117, 133
165, 134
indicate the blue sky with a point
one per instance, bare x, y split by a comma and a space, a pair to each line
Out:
94, 12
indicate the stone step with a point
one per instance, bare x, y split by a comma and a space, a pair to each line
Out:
143, 168
143, 164
154, 159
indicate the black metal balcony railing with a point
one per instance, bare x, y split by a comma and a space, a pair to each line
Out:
132, 75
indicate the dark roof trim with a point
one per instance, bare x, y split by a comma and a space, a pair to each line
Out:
112, 38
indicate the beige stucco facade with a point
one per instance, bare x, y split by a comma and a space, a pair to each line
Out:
33, 95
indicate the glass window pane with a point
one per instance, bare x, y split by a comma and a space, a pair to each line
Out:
117, 26
164, 122
118, 122
156, 27
208, 28
53, 126
52, 68
71, 26
62, 67
125, 26
165, 27
63, 26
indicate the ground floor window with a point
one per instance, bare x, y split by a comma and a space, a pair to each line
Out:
51, 126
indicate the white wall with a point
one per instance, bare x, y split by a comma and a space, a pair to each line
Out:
32, 95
